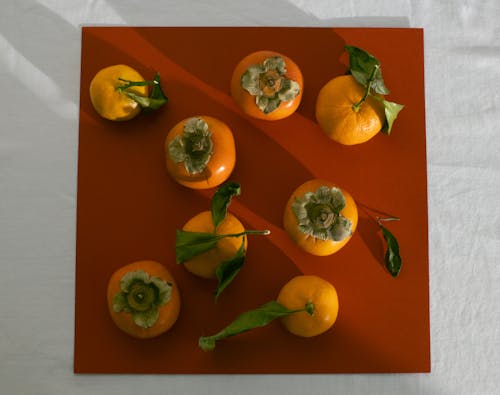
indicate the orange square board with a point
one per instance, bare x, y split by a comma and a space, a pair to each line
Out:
129, 207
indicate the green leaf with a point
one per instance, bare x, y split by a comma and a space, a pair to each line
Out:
146, 102
365, 69
227, 270
221, 200
259, 317
392, 258
155, 100
157, 95
190, 244
378, 82
391, 113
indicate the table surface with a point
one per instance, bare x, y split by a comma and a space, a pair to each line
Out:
40, 79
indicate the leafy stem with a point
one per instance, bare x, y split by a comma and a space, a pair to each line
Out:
357, 105
190, 244
155, 100
367, 71
392, 257
251, 319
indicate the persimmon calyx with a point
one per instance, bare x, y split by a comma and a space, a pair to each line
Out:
267, 82
141, 295
318, 214
194, 147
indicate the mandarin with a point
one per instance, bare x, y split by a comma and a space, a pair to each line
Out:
108, 101
337, 116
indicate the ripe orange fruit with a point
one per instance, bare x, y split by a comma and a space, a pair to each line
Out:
301, 290
110, 103
200, 152
338, 119
143, 299
320, 217
205, 264
270, 80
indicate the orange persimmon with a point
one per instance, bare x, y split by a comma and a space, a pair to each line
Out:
267, 85
143, 299
320, 217
200, 152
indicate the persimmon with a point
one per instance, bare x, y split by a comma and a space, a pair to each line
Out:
320, 217
267, 85
205, 264
306, 305
143, 299
200, 152
119, 93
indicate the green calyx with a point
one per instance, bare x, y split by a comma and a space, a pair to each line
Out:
267, 82
141, 295
318, 214
194, 147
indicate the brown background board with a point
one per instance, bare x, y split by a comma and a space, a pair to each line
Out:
129, 208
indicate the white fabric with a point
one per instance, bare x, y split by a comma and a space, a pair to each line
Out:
39, 82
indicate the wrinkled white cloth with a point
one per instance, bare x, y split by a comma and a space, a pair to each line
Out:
39, 80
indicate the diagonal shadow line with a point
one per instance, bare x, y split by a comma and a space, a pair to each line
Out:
130, 36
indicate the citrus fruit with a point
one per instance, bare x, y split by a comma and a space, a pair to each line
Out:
108, 101
338, 117
302, 290
205, 264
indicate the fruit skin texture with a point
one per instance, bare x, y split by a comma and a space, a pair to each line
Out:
339, 121
310, 244
301, 290
246, 102
168, 313
107, 101
204, 265
221, 163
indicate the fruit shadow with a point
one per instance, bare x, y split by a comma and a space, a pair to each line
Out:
369, 231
